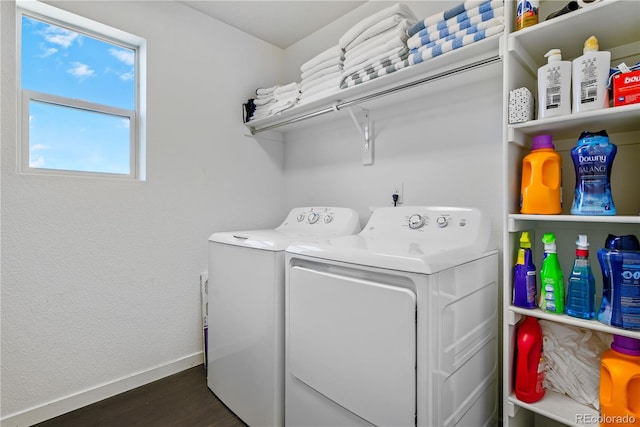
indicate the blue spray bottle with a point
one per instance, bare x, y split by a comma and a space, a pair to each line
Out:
524, 275
581, 296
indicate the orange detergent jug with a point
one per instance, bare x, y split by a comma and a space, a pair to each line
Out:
620, 383
540, 191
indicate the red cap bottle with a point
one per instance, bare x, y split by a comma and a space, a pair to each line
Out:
529, 374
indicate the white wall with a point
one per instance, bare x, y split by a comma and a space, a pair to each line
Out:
100, 278
442, 142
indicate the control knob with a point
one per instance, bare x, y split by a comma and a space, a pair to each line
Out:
327, 219
416, 221
300, 217
313, 218
442, 221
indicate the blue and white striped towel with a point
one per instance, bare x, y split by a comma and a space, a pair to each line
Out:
458, 42
460, 13
433, 33
469, 30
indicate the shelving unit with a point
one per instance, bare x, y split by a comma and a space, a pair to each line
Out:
525, 54
412, 82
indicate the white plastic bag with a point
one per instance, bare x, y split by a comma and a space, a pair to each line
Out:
573, 361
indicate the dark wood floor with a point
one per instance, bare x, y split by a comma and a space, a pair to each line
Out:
182, 399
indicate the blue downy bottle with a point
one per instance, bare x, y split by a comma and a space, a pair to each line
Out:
593, 158
581, 295
524, 275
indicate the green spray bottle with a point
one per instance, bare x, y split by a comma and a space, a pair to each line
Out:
551, 279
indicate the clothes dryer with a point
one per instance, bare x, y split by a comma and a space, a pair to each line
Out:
394, 326
246, 310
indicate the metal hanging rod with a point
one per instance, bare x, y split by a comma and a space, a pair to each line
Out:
340, 105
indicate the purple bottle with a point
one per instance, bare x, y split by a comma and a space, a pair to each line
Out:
524, 275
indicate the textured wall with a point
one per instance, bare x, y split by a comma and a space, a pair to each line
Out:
100, 278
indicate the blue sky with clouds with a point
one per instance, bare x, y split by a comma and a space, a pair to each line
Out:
65, 63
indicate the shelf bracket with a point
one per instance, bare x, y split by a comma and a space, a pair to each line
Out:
366, 131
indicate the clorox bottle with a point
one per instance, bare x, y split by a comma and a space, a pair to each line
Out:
529, 361
541, 189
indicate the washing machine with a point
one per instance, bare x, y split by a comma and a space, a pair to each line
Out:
394, 326
246, 310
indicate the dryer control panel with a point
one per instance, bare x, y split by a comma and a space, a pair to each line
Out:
453, 225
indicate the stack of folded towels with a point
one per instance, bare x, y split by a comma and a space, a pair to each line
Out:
263, 101
376, 44
459, 26
321, 75
285, 96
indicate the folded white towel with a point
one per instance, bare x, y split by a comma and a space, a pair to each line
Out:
282, 105
308, 85
317, 95
362, 26
333, 83
265, 90
374, 30
320, 74
397, 34
374, 51
263, 101
286, 88
321, 66
332, 52
393, 53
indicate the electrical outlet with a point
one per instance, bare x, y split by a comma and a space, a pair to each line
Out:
399, 190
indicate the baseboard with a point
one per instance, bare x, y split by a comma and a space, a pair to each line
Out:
78, 400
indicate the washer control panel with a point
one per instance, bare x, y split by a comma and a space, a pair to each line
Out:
417, 221
325, 219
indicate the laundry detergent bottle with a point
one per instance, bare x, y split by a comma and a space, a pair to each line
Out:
551, 278
541, 185
593, 159
581, 294
529, 361
524, 275
554, 86
620, 383
591, 78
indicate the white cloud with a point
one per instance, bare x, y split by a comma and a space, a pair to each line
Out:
81, 71
122, 55
37, 147
126, 76
37, 163
49, 52
60, 36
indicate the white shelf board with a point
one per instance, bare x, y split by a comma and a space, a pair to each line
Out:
613, 22
478, 51
519, 222
559, 407
574, 321
614, 120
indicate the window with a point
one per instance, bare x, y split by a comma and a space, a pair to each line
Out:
80, 85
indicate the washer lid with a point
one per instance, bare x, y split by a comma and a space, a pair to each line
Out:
413, 239
301, 224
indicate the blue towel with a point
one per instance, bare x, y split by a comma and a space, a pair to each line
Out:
458, 13
438, 49
469, 30
431, 34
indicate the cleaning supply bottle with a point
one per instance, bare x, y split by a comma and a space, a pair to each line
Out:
526, 13
540, 188
591, 78
581, 294
551, 279
593, 158
529, 363
524, 275
627, 242
554, 86
620, 383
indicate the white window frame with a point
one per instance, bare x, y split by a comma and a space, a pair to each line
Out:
136, 117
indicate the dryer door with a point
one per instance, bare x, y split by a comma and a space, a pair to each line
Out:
354, 341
